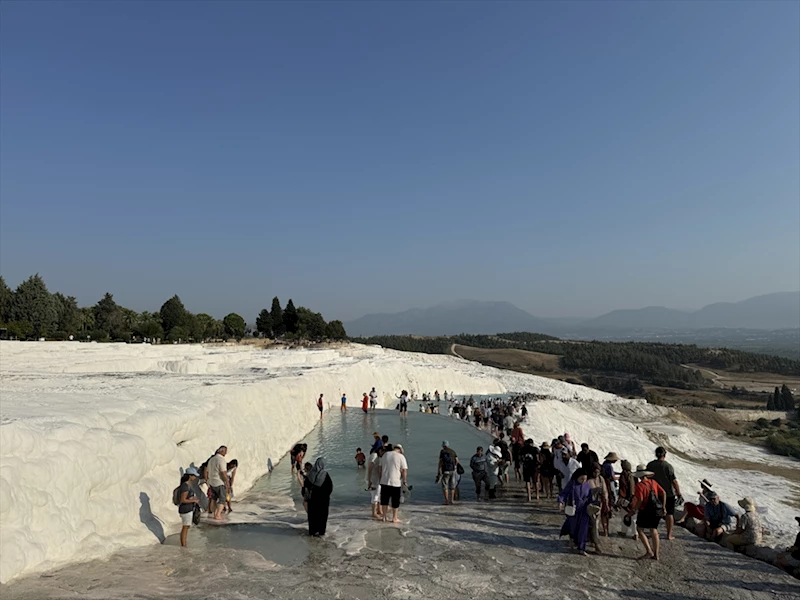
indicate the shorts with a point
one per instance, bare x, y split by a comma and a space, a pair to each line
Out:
375, 496
320, 408
647, 520
669, 507
390, 493
529, 474
448, 480
186, 518
218, 493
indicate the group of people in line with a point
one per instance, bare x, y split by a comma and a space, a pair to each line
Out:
218, 475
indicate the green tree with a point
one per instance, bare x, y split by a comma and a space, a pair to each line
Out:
276, 314
6, 298
264, 323
234, 326
108, 317
149, 326
173, 314
290, 318
179, 333
771, 402
787, 397
33, 303
87, 318
215, 330
777, 401
69, 318
311, 325
336, 331
20, 329
202, 327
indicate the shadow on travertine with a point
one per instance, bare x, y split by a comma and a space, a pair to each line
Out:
146, 516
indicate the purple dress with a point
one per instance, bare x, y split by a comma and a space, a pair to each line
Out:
579, 494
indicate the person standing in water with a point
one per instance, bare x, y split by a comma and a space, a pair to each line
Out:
373, 399
403, 402
365, 403
344, 403
319, 405
393, 476
188, 501
318, 487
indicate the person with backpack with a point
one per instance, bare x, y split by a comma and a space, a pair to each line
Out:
664, 474
649, 500
529, 457
448, 463
185, 499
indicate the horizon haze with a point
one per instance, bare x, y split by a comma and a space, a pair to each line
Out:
569, 158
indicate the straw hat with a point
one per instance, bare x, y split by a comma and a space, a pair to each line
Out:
641, 471
706, 484
747, 504
545, 445
611, 457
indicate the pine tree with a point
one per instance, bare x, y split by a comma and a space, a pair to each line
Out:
777, 401
264, 323
771, 402
33, 304
174, 314
277, 318
290, 319
788, 398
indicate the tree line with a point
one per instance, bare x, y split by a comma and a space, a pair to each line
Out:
781, 399
32, 312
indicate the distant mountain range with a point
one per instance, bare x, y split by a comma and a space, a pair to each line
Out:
772, 311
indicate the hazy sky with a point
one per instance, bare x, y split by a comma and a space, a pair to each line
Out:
370, 157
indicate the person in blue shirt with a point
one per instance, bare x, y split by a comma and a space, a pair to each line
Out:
720, 518
344, 402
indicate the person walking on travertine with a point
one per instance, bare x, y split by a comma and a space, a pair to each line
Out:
665, 476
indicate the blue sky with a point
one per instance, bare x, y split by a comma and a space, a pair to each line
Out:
570, 157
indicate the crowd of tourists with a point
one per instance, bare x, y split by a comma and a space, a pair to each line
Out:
591, 492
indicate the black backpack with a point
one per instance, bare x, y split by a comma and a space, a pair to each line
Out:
448, 465
654, 503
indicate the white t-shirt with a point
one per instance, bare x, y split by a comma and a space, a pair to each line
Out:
215, 465
392, 464
373, 395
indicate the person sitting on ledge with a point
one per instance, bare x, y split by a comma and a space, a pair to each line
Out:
719, 518
748, 531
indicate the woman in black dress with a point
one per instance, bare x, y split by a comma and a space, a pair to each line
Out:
318, 488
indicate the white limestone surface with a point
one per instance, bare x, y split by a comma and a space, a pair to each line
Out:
93, 437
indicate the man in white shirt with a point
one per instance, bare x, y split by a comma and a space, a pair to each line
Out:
218, 481
566, 465
393, 476
373, 399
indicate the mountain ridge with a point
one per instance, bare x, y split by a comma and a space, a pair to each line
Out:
779, 310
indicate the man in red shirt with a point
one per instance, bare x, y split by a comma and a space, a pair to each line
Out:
365, 403
649, 514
